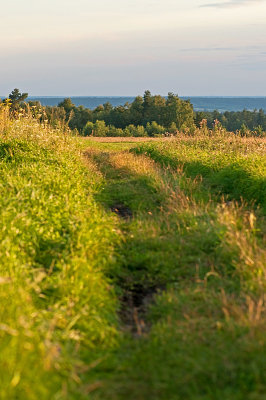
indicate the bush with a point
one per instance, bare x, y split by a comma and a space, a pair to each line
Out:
88, 129
154, 129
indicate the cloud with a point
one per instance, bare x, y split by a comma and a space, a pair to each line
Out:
203, 49
231, 3
214, 49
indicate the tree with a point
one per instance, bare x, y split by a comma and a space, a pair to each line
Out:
180, 112
136, 111
173, 129
244, 131
147, 106
136, 131
154, 129
100, 129
16, 97
199, 116
78, 117
88, 129
258, 131
107, 107
67, 104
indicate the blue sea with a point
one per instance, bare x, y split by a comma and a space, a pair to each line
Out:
221, 104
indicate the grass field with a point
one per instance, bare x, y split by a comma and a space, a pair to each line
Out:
131, 270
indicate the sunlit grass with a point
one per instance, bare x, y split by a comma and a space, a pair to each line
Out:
193, 246
58, 310
232, 166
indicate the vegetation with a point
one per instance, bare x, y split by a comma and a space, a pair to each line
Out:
245, 122
15, 100
99, 129
135, 270
202, 257
153, 115
233, 168
142, 111
58, 310
145, 116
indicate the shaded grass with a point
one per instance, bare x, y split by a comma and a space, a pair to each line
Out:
195, 352
166, 220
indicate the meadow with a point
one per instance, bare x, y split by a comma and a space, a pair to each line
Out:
131, 269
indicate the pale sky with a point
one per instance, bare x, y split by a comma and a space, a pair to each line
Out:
123, 47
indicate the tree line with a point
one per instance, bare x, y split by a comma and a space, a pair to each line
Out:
234, 121
147, 115
160, 113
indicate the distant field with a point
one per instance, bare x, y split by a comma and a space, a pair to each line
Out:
181, 138
131, 268
125, 139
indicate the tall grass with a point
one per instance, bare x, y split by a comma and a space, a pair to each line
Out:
58, 309
232, 166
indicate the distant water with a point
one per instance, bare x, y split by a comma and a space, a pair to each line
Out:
221, 104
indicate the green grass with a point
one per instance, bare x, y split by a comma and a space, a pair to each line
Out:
164, 304
233, 167
204, 331
58, 309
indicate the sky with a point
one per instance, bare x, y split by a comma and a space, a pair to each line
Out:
123, 47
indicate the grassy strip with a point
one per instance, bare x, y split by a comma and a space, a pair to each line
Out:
202, 337
231, 166
58, 309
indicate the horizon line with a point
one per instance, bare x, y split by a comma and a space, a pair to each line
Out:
133, 96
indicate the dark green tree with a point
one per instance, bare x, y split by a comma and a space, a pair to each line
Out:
180, 112
136, 111
17, 98
198, 117
67, 104
147, 107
